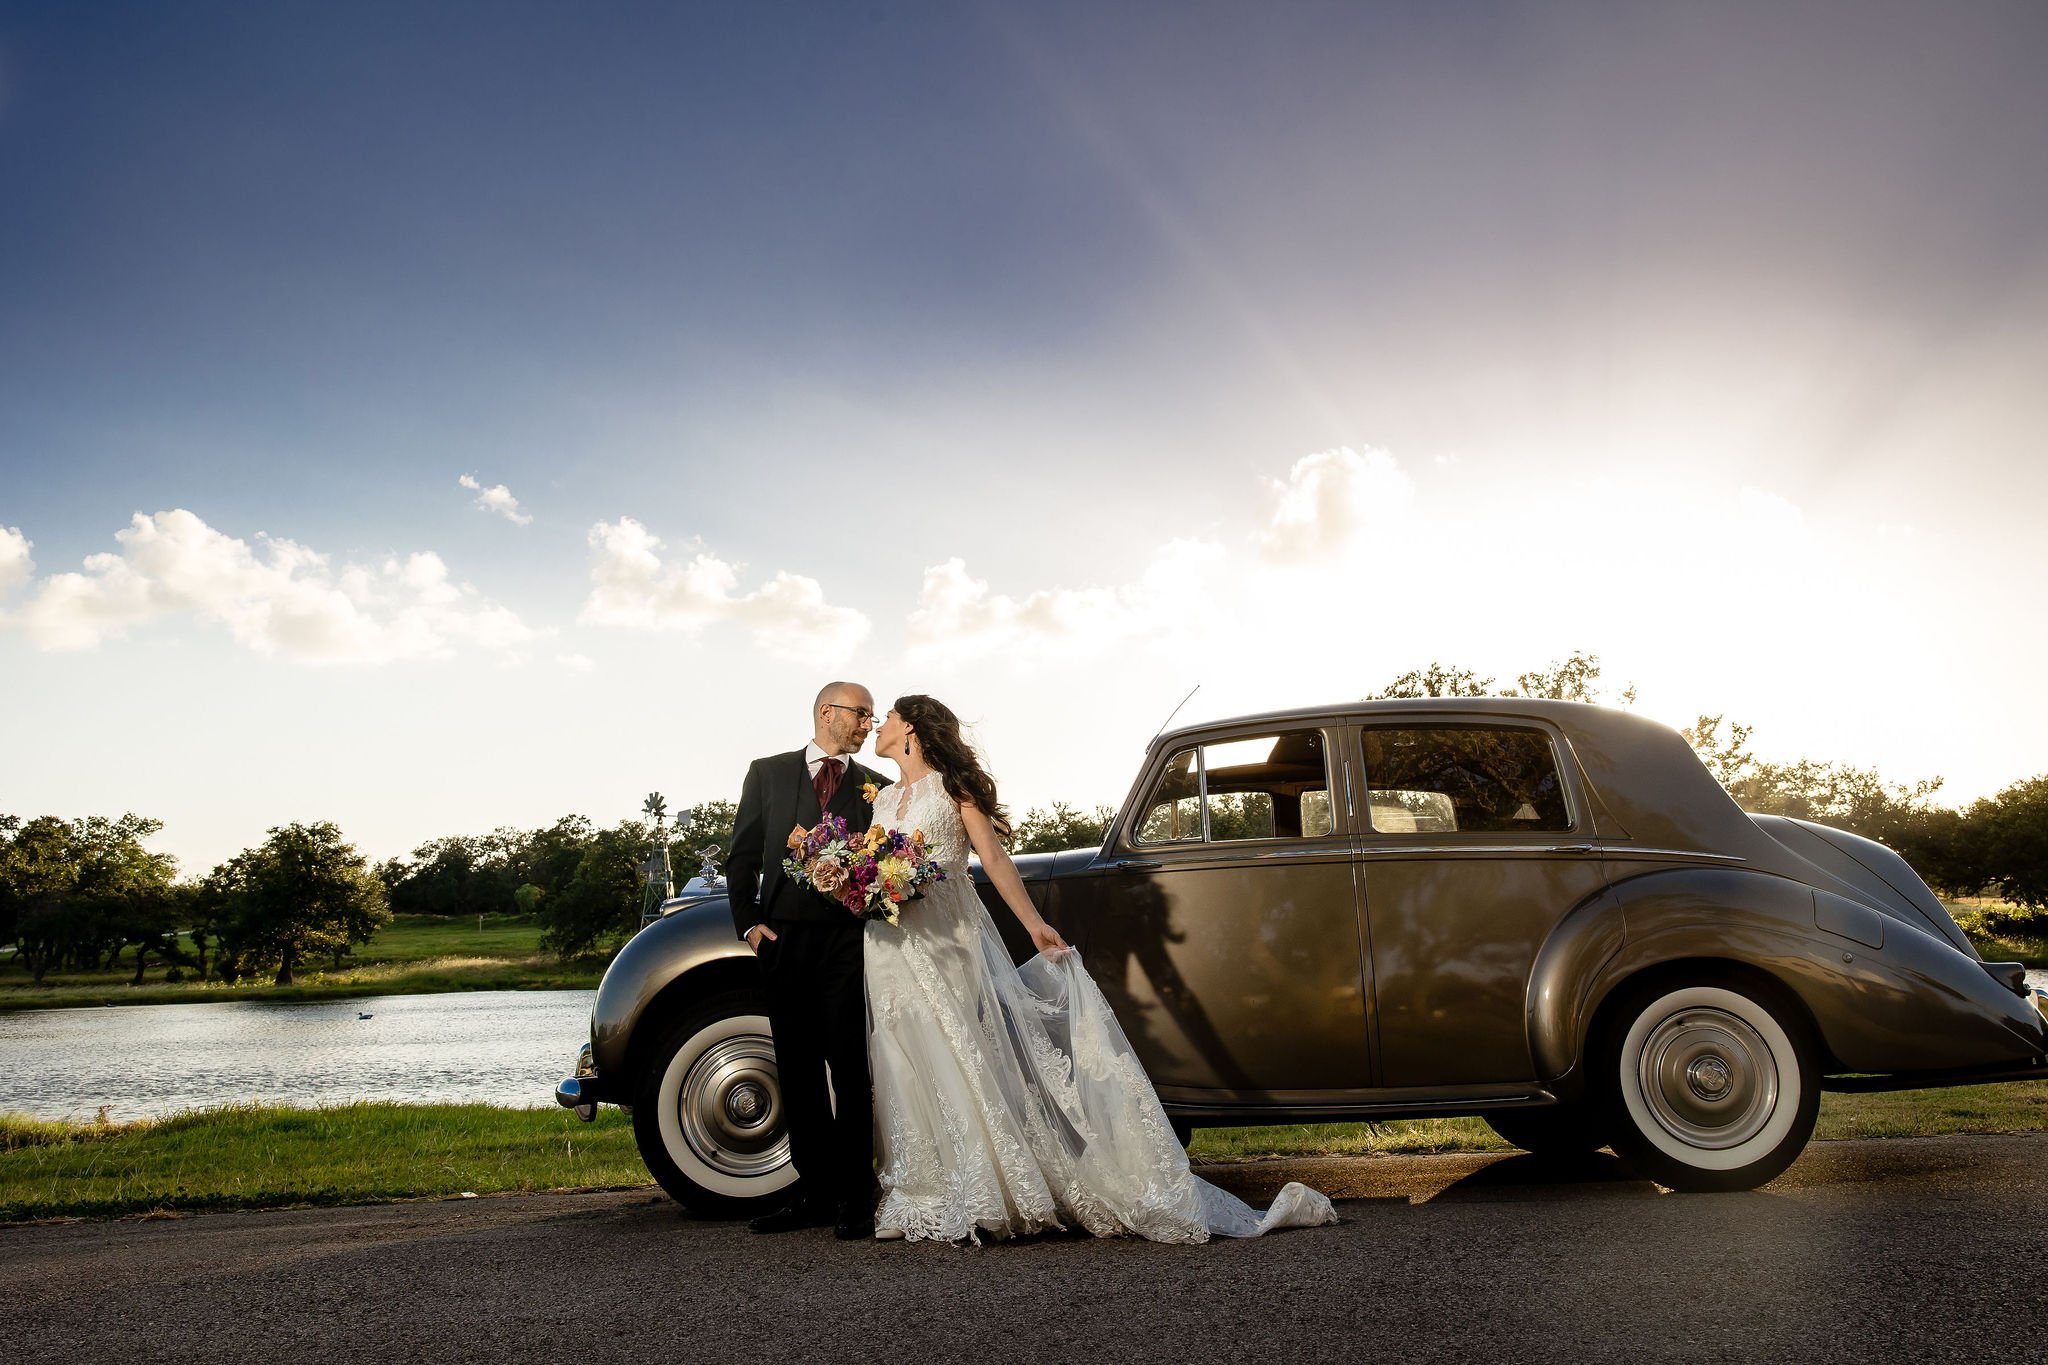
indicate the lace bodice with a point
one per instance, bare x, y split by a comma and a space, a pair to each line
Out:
924, 805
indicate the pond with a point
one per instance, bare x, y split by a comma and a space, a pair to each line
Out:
146, 1061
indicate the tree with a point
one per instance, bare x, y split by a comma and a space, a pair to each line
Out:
1573, 679
303, 893
123, 891
1060, 827
1727, 757
709, 827
2009, 832
600, 907
1438, 680
37, 875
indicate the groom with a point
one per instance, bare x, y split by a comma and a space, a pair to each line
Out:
809, 949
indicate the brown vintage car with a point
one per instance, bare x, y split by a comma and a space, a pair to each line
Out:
1547, 914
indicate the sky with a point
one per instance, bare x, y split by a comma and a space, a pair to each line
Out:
438, 418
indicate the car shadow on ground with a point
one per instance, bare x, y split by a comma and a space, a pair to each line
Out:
1527, 1176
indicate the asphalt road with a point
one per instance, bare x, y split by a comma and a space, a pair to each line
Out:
1928, 1249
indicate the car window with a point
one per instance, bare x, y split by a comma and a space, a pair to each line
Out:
1173, 812
1462, 779
1268, 787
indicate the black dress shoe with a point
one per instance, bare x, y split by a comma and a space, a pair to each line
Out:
790, 1217
856, 1221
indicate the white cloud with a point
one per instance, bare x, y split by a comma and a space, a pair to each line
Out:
1350, 574
631, 585
15, 564
957, 614
276, 598
575, 663
1332, 498
497, 498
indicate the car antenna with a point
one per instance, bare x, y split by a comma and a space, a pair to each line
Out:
1171, 714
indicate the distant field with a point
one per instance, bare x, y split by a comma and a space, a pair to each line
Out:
414, 954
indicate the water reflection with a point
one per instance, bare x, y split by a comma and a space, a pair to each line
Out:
497, 1047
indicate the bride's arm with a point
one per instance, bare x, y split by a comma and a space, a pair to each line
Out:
1002, 874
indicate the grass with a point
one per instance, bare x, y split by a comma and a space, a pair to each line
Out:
2017, 1107
413, 955
247, 1157
250, 1157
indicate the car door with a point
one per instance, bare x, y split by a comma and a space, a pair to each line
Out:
1475, 840
1222, 920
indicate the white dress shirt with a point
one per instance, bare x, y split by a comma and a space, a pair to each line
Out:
813, 756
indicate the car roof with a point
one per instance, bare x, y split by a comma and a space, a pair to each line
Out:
1561, 713
1646, 782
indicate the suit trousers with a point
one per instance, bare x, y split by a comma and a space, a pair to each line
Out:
813, 977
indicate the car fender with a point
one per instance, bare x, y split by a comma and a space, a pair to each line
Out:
1881, 995
692, 949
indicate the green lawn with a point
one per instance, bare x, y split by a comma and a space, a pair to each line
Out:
239, 1158
413, 954
270, 1158
2018, 1107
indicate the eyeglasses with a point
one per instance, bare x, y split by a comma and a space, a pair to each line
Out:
860, 713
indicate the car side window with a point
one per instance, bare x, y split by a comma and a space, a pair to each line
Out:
1462, 779
1173, 812
1267, 787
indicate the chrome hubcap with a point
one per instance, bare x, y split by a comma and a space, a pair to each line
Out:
1709, 1078
731, 1107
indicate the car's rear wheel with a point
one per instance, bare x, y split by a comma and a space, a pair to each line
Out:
707, 1109
1561, 1130
1711, 1083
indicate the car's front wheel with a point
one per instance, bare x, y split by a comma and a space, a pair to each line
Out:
707, 1109
1712, 1084
1561, 1130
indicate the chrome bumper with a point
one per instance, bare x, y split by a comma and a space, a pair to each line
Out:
578, 1091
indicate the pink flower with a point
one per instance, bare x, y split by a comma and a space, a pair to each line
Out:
828, 875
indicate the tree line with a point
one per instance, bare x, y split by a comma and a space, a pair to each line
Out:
79, 894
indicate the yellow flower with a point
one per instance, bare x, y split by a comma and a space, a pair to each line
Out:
877, 836
869, 791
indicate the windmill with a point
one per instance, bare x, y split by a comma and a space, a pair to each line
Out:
661, 882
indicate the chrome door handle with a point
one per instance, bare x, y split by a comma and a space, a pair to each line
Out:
1132, 865
1571, 848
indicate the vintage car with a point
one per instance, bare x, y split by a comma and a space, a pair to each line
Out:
1547, 914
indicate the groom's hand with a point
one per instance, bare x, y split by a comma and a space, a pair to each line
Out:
756, 934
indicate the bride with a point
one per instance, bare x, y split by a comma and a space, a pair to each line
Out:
1007, 1099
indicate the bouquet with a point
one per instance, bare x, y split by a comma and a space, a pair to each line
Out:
870, 874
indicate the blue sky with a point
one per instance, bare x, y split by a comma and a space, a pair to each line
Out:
1703, 337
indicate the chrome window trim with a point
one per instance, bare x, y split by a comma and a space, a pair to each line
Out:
1598, 850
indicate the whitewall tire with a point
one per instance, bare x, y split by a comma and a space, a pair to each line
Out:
707, 1113
1712, 1084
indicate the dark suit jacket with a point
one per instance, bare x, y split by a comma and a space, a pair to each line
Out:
777, 797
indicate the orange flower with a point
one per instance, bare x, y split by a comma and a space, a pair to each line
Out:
797, 835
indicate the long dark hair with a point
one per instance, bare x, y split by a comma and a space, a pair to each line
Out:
947, 750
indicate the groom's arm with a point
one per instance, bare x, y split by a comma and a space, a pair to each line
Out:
743, 864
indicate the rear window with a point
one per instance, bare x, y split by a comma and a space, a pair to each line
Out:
1462, 779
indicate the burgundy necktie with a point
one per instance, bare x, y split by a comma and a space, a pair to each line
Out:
826, 781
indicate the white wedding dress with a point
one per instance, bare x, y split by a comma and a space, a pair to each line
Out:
1007, 1099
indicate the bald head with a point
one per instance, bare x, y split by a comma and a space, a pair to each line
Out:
841, 716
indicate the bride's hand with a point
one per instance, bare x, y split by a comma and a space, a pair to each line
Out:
1048, 939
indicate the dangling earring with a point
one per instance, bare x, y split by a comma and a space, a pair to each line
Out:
906, 748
